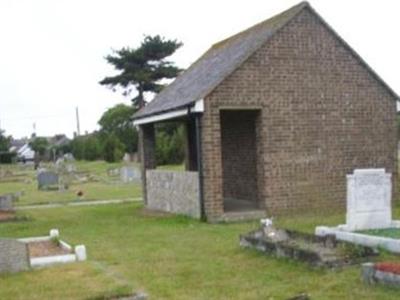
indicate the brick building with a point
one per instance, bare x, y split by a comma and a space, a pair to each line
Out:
276, 116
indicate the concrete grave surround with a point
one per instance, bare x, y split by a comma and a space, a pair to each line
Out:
368, 207
14, 256
77, 254
175, 192
369, 199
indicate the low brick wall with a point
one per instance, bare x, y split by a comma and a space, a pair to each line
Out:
176, 192
14, 256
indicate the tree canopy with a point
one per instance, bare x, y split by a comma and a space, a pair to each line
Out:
117, 121
4, 142
39, 145
142, 68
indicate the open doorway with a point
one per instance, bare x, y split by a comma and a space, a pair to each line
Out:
239, 159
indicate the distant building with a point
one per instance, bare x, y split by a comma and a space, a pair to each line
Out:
25, 152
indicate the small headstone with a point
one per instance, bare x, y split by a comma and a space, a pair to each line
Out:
113, 172
70, 168
80, 252
14, 256
369, 194
47, 179
6, 202
54, 233
130, 174
69, 157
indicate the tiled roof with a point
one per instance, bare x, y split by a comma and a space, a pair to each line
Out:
215, 65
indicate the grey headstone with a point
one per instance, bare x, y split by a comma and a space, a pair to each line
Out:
130, 174
14, 256
6, 202
46, 179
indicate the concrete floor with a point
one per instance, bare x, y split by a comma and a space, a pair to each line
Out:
236, 205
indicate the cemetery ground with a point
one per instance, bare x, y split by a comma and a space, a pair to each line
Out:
173, 257
94, 183
165, 256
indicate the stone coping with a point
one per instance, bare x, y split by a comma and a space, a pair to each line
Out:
78, 252
342, 233
371, 275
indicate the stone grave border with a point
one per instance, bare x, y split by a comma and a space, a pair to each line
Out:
390, 244
371, 275
78, 252
256, 240
379, 219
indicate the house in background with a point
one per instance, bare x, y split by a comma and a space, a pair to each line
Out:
25, 153
276, 116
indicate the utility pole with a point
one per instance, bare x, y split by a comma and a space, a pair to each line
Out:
78, 129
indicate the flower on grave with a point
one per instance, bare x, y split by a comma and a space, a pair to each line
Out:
390, 267
267, 222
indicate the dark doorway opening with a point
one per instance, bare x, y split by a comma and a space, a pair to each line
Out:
239, 159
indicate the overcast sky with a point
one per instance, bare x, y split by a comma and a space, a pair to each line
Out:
52, 52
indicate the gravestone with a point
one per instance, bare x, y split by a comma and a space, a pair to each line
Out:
113, 172
6, 202
47, 179
14, 256
130, 174
369, 194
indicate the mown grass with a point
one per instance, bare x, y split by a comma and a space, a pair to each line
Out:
100, 186
173, 257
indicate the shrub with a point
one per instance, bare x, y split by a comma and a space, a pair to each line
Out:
113, 149
7, 157
169, 144
86, 147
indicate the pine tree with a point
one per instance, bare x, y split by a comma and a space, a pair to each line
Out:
143, 68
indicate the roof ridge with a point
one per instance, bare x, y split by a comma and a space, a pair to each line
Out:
298, 7
165, 101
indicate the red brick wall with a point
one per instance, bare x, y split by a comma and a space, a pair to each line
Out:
322, 115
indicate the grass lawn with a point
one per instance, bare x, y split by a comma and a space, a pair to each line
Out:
173, 257
100, 187
393, 233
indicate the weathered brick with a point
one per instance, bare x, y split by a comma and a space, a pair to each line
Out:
321, 115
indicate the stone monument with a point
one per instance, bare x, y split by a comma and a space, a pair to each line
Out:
14, 256
47, 179
369, 194
130, 174
6, 202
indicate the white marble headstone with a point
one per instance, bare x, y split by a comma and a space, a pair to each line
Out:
369, 193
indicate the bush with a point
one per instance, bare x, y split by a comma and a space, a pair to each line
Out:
86, 147
170, 144
7, 157
92, 149
113, 149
